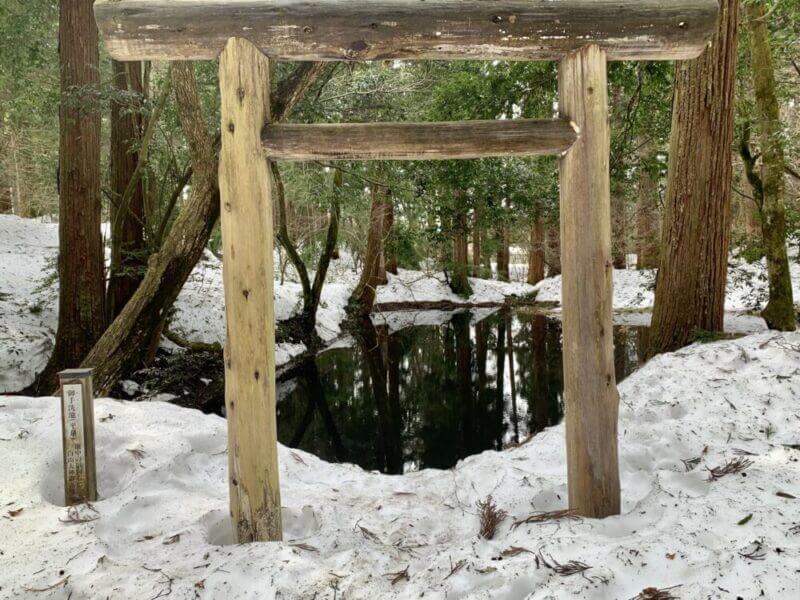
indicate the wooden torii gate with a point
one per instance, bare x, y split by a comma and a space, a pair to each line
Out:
582, 34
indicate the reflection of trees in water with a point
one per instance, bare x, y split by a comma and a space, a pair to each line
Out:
538, 358
317, 403
429, 396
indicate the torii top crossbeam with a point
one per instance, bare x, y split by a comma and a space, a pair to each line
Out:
407, 29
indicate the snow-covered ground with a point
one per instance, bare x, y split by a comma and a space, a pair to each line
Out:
29, 299
747, 288
160, 528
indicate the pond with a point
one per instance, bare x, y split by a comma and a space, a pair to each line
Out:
429, 395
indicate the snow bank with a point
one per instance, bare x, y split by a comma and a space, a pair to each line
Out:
747, 288
415, 286
632, 289
28, 307
163, 511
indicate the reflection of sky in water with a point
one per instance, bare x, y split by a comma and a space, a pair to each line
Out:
428, 395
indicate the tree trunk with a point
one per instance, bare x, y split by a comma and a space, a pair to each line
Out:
363, 297
19, 206
388, 222
81, 298
619, 230
389, 240
690, 287
752, 220
329, 248
503, 255
536, 252
459, 283
553, 250
121, 347
779, 312
487, 262
126, 129
285, 240
476, 244
647, 218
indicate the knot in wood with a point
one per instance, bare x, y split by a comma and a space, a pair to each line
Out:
356, 48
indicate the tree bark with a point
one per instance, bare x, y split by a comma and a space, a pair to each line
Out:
363, 297
647, 215
619, 230
553, 250
127, 241
476, 243
389, 241
690, 287
122, 345
459, 282
779, 312
386, 233
81, 298
330, 245
503, 254
536, 251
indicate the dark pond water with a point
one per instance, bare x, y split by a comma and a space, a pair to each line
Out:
427, 396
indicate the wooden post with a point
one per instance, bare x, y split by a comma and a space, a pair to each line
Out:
590, 391
77, 432
244, 182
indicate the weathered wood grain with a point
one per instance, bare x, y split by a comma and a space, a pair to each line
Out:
246, 214
407, 29
590, 390
417, 141
77, 436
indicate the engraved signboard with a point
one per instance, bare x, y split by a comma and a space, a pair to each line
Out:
77, 426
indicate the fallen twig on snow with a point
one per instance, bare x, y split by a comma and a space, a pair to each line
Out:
166, 582
398, 576
572, 567
58, 583
74, 515
543, 517
736, 465
691, 463
455, 568
368, 534
514, 551
754, 551
652, 593
303, 546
